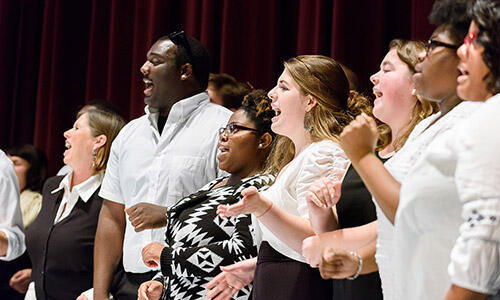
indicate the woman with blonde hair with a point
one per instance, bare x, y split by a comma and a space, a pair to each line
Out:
312, 104
60, 241
397, 106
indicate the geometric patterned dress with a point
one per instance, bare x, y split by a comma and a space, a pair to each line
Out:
199, 241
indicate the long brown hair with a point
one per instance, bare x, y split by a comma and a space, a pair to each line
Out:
322, 78
408, 52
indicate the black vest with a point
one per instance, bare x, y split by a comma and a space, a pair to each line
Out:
62, 254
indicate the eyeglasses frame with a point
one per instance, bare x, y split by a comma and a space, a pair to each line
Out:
226, 130
429, 48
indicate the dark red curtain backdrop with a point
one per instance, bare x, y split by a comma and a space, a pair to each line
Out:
55, 55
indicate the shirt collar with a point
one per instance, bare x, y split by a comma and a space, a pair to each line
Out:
85, 190
180, 110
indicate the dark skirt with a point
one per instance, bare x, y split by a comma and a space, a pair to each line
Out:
279, 277
362, 288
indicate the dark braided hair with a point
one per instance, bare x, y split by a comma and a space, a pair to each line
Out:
257, 106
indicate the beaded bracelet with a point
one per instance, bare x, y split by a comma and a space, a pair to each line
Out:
360, 266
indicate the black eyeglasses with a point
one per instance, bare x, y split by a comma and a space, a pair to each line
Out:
433, 44
179, 38
232, 128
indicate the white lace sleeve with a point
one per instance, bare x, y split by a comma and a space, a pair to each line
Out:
475, 258
326, 159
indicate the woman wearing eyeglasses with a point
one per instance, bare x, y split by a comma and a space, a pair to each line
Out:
435, 79
312, 104
456, 208
198, 240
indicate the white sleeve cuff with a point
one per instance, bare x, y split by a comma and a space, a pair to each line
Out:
15, 246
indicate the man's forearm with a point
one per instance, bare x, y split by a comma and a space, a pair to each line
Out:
4, 243
108, 247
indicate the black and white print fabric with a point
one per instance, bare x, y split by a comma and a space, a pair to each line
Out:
199, 241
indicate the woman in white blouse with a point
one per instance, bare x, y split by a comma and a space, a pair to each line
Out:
401, 110
448, 228
312, 105
428, 209
475, 258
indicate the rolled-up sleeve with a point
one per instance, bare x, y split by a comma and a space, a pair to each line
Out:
11, 222
110, 188
475, 257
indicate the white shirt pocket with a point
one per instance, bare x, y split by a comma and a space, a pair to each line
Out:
184, 177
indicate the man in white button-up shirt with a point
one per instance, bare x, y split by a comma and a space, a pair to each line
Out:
156, 160
11, 223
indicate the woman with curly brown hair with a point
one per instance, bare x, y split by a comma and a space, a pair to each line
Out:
198, 240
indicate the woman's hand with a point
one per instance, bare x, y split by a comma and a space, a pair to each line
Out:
232, 279
150, 290
251, 202
359, 138
21, 280
151, 254
338, 264
312, 248
324, 192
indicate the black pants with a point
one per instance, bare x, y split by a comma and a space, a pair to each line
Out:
278, 277
125, 284
9, 268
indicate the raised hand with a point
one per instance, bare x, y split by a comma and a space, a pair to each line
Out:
232, 279
147, 216
251, 202
359, 138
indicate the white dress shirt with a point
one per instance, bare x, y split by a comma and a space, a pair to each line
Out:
320, 159
11, 221
428, 217
399, 166
145, 166
84, 190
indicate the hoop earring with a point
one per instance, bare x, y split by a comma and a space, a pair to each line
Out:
308, 122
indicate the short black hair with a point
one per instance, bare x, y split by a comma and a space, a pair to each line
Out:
37, 171
200, 59
486, 15
454, 14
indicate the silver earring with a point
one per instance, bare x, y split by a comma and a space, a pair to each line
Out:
307, 122
94, 155
260, 145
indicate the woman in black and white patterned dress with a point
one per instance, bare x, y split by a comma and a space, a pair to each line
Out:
198, 240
